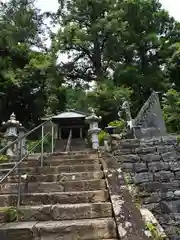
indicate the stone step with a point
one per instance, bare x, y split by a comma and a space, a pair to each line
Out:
56, 169
55, 198
75, 154
57, 177
58, 162
67, 186
65, 212
61, 230
7, 165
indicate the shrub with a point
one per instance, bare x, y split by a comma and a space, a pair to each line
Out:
119, 124
47, 145
3, 158
101, 136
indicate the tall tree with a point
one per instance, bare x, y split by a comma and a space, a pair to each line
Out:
24, 61
107, 99
85, 29
126, 39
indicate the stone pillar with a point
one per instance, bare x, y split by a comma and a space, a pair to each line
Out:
94, 129
11, 134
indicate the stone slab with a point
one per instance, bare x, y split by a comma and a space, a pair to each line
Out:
57, 177
58, 162
56, 198
61, 212
61, 230
56, 169
67, 186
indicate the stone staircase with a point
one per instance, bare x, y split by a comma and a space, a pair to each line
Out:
67, 199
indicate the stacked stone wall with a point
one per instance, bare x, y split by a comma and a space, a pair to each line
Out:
152, 166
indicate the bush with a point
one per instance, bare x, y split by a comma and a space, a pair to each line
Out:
101, 137
3, 158
119, 124
47, 145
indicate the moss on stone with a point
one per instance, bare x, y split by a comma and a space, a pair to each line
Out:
10, 213
3, 158
152, 228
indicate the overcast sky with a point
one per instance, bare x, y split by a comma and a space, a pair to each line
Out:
173, 6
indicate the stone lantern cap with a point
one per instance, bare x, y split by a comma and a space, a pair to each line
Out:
93, 118
12, 122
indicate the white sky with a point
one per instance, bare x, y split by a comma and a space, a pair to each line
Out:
173, 6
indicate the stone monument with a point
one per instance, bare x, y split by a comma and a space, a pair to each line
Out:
150, 119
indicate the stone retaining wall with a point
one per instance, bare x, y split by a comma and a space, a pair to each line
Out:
152, 167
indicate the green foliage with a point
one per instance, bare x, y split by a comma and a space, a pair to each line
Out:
46, 143
174, 64
25, 68
9, 213
126, 42
154, 232
122, 48
106, 99
76, 98
171, 110
3, 142
101, 136
178, 140
119, 124
3, 158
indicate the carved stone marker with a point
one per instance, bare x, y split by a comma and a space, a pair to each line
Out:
150, 118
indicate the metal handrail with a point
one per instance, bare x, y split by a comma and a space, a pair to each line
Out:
24, 136
69, 141
23, 157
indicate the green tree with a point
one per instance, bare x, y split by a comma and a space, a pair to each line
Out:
76, 98
171, 109
126, 41
173, 65
85, 28
145, 50
107, 99
25, 65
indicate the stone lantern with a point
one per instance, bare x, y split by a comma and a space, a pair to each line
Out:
93, 131
11, 126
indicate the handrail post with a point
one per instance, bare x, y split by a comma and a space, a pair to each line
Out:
52, 137
19, 178
42, 145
